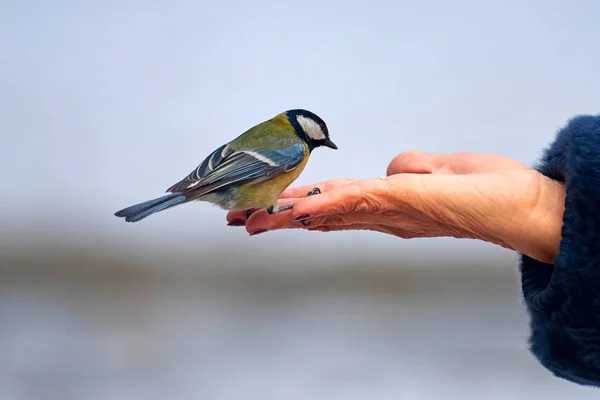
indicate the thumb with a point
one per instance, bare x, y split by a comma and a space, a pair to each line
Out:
414, 162
418, 162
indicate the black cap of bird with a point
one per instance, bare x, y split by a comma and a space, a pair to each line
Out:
249, 172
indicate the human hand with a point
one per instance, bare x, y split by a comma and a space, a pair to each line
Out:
464, 195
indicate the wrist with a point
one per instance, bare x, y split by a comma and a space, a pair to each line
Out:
538, 233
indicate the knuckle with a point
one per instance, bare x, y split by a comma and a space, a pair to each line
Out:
359, 202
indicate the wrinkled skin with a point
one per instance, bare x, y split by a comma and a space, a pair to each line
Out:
464, 195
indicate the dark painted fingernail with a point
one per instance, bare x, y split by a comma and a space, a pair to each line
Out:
301, 217
237, 222
258, 232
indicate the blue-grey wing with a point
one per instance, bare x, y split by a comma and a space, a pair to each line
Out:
243, 166
206, 167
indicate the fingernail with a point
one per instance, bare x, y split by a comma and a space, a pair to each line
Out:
258, 232
301, 217
237, 222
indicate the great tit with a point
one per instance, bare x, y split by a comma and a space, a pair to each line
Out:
249, 172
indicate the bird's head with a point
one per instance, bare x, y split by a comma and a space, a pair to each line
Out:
310, 128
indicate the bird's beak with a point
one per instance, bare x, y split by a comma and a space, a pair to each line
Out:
330, 144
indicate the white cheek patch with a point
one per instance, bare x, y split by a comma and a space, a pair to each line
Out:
311, 128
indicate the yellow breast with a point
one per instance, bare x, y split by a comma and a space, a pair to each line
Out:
264, 194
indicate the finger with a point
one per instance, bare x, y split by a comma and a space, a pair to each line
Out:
370, 195
360, 227
263, 221
418, 162
332, 224
350, 227
474, 163
289, 196
237, 217
301, 191
412, 162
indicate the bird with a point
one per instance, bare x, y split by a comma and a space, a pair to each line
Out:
251, 171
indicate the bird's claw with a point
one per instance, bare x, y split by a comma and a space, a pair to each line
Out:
313, 192
276, 210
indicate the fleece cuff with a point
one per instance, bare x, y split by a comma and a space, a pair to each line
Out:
563, 298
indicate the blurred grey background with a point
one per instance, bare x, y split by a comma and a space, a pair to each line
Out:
104, 104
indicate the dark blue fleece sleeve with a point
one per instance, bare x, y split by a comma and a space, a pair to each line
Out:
563, 299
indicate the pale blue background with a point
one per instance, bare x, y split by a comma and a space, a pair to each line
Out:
104, 104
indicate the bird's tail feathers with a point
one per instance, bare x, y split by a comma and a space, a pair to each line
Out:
140, 211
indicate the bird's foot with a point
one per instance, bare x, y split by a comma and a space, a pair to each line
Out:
276, 210
315, 190
272, 209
